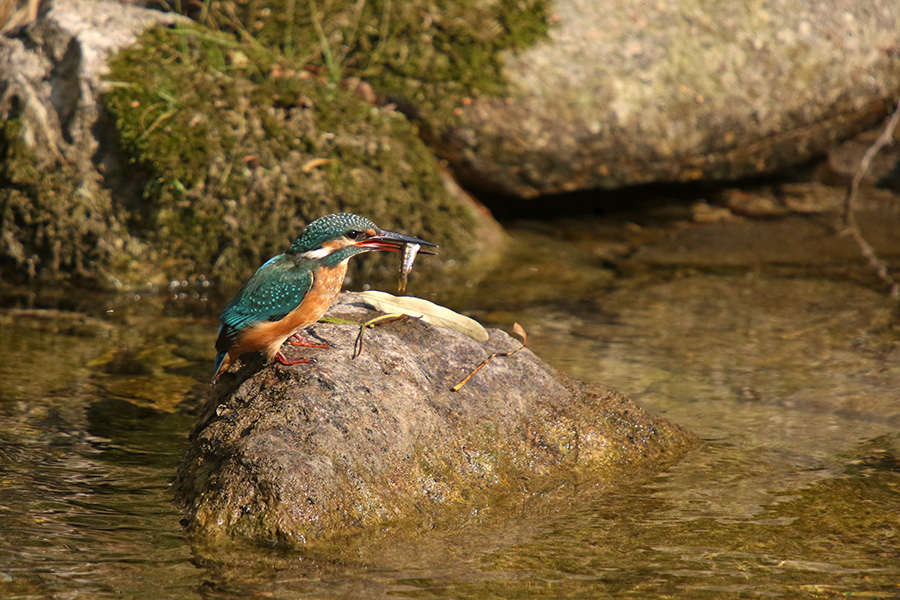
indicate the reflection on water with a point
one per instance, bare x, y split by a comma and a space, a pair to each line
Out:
796, 489
84, 505
778, 374
794, 494
87, 513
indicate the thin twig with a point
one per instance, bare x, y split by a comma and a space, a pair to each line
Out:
881, 268
358, 346
518, 330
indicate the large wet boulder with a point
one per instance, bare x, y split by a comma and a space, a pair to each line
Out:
292, 454
627, 92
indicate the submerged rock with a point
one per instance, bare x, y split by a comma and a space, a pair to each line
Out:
292, 454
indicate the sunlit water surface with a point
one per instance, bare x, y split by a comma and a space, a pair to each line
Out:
792, 382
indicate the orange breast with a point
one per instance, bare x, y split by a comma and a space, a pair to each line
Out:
268, 336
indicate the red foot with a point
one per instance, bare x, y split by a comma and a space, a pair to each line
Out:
299, 340
290, 361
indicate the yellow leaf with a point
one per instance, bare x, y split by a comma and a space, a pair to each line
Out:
427, 311
519, 331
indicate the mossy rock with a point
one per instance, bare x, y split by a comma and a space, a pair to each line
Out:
45, 222
208, 154
239, 150
60, 221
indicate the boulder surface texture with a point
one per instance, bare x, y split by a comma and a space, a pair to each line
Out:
626, 92
297, 453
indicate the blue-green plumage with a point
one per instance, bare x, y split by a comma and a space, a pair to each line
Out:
275, 290
293, 289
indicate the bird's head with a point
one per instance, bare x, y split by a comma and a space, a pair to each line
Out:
333, 239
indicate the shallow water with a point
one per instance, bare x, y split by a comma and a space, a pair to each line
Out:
791, 376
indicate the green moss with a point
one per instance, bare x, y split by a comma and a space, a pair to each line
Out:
429, 54
241, 151
55, 223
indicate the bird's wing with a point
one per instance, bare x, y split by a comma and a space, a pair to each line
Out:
275, 290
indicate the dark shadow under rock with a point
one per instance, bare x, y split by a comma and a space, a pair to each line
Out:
292, 454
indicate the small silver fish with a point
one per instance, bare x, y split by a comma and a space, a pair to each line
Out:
406, 264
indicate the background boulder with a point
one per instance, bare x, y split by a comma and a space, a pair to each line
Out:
628, 92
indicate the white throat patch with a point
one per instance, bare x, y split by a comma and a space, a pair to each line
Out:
317, 254
326, 249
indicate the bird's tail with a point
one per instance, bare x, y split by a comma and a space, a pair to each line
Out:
221, 365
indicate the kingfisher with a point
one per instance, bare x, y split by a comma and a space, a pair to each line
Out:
294, 289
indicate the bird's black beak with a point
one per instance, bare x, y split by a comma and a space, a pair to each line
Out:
392, 241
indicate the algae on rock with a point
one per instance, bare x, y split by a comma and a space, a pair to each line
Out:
59, 220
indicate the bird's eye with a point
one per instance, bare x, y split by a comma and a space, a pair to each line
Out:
353, 234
